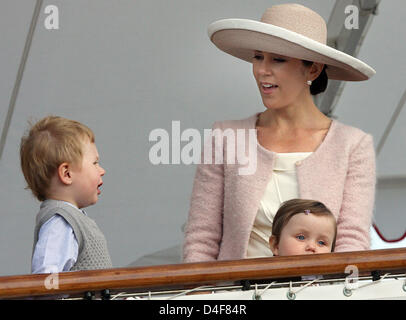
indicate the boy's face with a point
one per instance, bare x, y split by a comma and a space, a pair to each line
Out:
305, 234
87, 178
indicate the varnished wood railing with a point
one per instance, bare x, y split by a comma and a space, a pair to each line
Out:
183, 275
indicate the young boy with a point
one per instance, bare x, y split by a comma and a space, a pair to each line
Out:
60, 163
303, 227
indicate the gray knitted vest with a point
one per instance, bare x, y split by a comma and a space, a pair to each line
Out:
93, 252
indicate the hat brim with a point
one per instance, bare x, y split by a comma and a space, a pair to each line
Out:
240, 37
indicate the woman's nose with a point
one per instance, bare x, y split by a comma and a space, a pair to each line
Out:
265, 67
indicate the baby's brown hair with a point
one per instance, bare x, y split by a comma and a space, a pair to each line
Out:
294, 206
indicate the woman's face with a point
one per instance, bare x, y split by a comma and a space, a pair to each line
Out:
281, 80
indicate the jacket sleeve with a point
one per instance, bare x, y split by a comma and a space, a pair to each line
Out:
204, 229
355, 219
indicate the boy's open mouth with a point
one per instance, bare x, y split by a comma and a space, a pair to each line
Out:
98, 187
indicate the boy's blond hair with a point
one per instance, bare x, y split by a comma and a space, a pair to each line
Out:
49, 143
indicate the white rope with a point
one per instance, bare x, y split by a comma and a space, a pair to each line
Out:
373, 282
292, 293
266, 288
259, 290
365, 285
258, 296
186, 292
117, 295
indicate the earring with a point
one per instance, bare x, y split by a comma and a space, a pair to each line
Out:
309, 82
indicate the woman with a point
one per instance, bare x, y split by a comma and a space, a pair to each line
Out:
301, 153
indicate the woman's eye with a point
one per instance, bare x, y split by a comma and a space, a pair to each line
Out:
279, 60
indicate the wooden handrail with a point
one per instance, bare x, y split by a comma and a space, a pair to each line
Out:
176, 275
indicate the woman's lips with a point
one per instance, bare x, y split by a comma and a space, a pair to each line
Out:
268, 88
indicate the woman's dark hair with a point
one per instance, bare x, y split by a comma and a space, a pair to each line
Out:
320, 83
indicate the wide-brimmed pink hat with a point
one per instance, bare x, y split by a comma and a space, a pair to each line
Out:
291, 30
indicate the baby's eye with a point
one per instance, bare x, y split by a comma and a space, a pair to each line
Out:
322, 243
300, 237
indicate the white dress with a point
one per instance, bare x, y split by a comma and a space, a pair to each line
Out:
283, 186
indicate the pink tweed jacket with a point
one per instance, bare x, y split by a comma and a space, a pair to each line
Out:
340, 173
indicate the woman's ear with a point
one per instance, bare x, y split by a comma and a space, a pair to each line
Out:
315, 70
273, 244
64, 173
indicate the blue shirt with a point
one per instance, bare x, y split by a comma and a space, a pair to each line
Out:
57, 248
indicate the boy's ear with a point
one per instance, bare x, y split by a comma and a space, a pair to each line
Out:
273, 245
64, 173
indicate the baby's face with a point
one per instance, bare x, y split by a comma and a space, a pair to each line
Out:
306, 234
